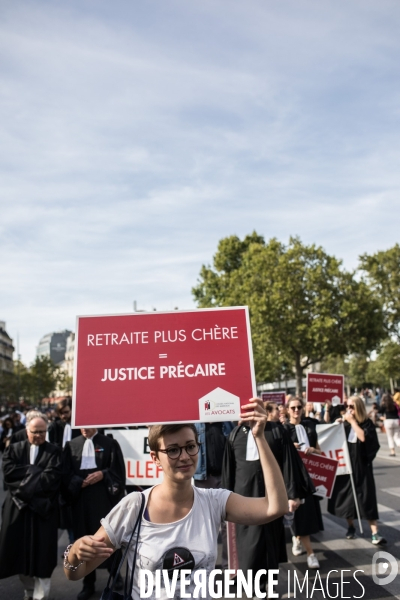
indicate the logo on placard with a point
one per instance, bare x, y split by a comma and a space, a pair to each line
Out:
218, 404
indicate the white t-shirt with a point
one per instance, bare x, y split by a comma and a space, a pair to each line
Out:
190, 543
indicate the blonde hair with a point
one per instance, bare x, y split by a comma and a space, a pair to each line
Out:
360, 412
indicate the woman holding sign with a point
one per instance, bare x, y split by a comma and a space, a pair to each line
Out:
180, 523
307, 518
363, 445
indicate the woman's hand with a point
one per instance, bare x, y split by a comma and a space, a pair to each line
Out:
255, 415
91, 547
310, 450
349, 418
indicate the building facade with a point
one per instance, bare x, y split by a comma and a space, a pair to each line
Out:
54, 345
6, 349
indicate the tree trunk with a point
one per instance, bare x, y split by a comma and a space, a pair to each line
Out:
299, 377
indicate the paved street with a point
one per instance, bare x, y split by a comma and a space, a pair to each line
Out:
332, 549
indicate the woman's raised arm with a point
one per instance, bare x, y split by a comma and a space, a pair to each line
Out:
256, 511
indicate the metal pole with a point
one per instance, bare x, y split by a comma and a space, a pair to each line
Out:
353, 487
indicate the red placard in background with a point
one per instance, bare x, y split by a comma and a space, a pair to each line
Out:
322, 471
180, 366
323, 386
277, 397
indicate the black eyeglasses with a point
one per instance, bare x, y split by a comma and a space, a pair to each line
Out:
38, 432
295, 407
175, 451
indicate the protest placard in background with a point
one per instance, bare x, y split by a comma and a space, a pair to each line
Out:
323, 387
180, 366
140, 469
322, 471
277, 397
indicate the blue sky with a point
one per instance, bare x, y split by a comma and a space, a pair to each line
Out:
136, 134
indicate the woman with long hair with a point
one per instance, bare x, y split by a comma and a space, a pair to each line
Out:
390, 414
362, 441
180, 523
307, 518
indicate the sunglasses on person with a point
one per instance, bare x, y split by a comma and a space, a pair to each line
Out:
295, 407
175, 451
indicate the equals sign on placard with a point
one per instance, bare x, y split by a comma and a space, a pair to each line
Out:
162, 356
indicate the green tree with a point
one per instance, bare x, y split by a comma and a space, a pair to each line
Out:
382, 271
386, 367
303, 305
43, 378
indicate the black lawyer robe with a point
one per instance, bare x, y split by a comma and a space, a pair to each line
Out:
263, 546
90, 504
28, 537
308, 517
56, 432
362, 454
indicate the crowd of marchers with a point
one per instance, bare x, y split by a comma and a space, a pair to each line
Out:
58, 477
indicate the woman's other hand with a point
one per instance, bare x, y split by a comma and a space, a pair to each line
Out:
255, 415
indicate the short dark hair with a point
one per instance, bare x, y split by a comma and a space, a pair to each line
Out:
158, 431
269, 407
62, 404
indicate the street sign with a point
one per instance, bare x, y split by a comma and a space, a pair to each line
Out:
172, 367
322, 387
277, 397
322, 471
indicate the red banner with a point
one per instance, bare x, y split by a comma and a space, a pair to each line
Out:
180, 366
323, 386
277, 397
322, 471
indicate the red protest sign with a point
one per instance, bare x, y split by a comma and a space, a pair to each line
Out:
179, 366
323, 386
322, 471
277, 397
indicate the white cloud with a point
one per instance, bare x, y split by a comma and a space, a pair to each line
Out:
136, 135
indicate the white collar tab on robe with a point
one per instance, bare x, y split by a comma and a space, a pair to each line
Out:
352, 439
302, 437
88, 455
251, 447
67, 434
33, 452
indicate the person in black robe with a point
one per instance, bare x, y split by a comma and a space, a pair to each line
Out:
263, 546
308, 517
60, 430
94, 484
363, 446
28, 537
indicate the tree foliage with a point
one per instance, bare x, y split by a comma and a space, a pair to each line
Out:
31, 384
303, 305
386, 366
382, 270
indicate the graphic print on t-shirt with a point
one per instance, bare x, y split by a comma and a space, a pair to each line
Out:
176, 559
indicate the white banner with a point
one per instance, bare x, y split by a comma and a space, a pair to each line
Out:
140, 469
332, 441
